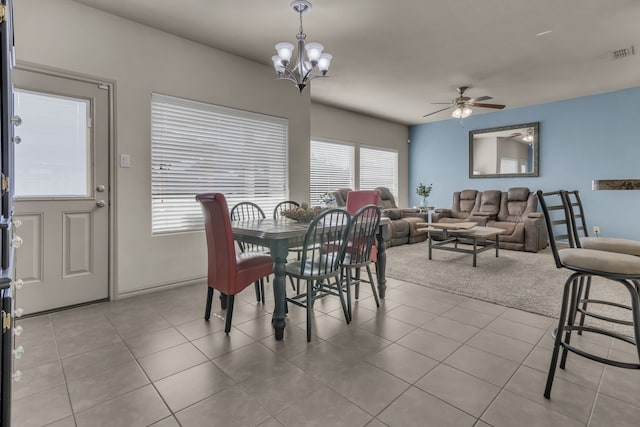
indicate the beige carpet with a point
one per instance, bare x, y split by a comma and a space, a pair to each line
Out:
522, 280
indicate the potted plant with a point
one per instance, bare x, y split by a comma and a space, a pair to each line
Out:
424, 191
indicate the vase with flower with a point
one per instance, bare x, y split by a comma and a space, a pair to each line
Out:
424, 191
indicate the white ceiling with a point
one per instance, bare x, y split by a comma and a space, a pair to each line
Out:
392, 58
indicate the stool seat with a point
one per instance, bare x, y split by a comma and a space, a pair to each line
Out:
600, 261
621, 246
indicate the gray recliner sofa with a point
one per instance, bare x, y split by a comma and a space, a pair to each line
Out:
404, 221
514, 210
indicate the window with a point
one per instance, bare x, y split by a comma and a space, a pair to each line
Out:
198, 147
55, 160
331, 168
379, 168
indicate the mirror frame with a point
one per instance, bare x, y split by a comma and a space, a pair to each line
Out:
535, 143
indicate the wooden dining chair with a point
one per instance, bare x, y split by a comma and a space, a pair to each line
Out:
355, 201
227, 272
361, 242
323, 251
249, 211
283, 206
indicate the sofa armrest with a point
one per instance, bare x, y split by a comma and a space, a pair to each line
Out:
394, 213
535, 233
440, 213
415, 213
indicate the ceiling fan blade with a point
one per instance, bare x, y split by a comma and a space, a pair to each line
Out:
481, 98
443, 103
430, 114
498, 106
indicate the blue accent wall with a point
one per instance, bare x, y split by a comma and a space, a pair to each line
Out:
581, 139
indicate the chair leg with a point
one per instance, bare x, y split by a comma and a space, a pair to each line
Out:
223, 301
349, 309
346, 306
373, 287
207, 309
309, 308
357, 283
587, 290
558, 338
570, 320
227, 323
257, 288
262, 290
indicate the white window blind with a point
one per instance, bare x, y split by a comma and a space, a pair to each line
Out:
198, 147
331, 168
379, 168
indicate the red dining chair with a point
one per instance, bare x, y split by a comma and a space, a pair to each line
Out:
227, 272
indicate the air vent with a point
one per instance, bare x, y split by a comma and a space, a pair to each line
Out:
623, 53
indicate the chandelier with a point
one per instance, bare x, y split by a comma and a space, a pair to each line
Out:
302, 72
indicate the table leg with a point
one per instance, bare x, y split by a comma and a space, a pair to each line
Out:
497, 244
430, 244
381, 263
475, 250
279, 251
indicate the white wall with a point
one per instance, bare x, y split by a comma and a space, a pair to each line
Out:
64, 35
342, 125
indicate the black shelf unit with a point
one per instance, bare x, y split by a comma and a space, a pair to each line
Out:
6, 209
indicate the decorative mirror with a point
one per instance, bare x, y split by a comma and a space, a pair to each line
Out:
509, 151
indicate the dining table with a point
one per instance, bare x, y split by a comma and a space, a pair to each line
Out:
280, 235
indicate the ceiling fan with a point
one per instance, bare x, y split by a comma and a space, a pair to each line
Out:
462, 103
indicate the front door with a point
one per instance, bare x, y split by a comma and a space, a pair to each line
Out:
61, 190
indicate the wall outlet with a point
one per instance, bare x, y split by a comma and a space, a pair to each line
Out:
596, 230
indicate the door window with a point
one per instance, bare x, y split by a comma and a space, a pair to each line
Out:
52, 159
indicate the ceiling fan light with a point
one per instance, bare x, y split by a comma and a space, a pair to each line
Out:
461, 112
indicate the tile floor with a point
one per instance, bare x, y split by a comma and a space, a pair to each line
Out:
425, 358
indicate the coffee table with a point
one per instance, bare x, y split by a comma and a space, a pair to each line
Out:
463, 232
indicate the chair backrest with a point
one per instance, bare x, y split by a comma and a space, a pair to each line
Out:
463, 203
221, 255
580, 221
364, 227
341, 196
324, 244
358, 199
488, 202
387, 201
557, 217
283, 206
246, 210
516, 203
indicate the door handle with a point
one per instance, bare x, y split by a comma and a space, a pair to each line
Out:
100, 188
100, 203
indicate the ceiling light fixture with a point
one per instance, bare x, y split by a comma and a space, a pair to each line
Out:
301, 72
461, 112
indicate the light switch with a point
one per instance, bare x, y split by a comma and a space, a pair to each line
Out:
125, 161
